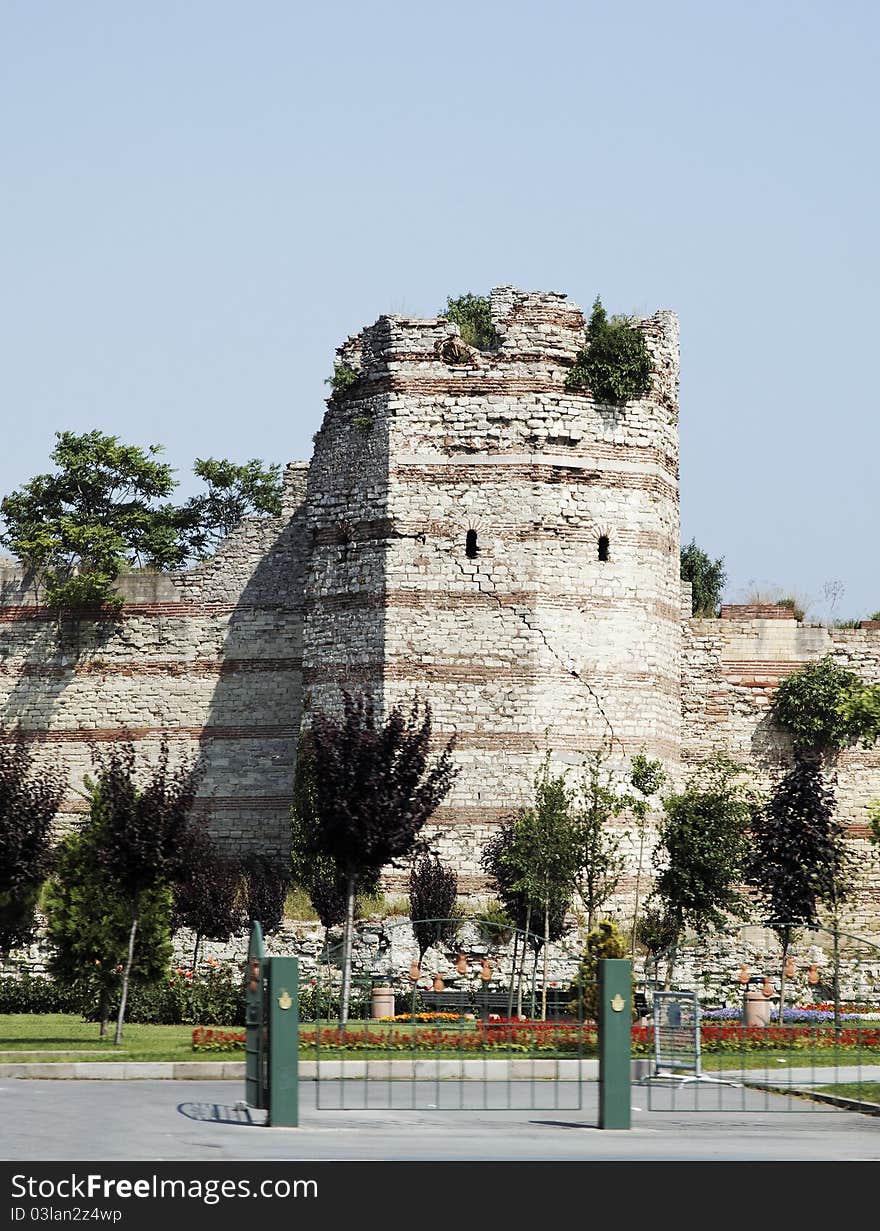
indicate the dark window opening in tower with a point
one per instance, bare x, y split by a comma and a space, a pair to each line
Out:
470, 544
603, 547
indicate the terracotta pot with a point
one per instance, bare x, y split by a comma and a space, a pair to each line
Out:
461, 964
743, 975
813, 975
767, 988
790, 968
486, 971
414, 971
439, 985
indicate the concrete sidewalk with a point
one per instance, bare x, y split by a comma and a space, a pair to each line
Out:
168, 1120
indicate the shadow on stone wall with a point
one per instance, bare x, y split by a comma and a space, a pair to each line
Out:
248, 741
770, 747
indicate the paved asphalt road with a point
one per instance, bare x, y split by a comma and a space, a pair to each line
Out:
189, 1120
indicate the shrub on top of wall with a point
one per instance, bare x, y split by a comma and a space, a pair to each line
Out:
473, 316
616, 364
343, 378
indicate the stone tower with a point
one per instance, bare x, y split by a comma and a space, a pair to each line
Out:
504, 546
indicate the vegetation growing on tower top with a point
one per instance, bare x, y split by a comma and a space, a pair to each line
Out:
707, 578
616, 364
473, 316
344, 376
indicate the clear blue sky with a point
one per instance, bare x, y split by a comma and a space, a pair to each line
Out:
200, 199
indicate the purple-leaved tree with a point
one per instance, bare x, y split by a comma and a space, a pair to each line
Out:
372, 786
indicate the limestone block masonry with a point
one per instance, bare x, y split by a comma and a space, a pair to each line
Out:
470, 530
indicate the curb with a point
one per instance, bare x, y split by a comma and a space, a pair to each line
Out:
331, 1070
111, 1070
835, 1100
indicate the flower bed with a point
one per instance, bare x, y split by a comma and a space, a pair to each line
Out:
424, 1017
541, 1038
205, 1038
815, 1015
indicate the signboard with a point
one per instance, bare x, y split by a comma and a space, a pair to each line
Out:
676, 1034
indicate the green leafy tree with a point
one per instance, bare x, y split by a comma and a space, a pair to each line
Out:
373, 787
798, 856
433, 891
106, 510
702, 849
602, 864
707, 578
235, 491
825, 707
89, 925
77, 529
472, 314
646, 776
615, 365
655, 931
30, 796
144, 832
546, 854
516, 909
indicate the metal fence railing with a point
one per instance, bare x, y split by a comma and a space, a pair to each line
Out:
793, 1032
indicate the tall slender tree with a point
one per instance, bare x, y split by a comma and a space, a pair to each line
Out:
702, 849
30, 796
89, 925
143, 830
210, 899
546, 854
374, 785
433, 891
799, 860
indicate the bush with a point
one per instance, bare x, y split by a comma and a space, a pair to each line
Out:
38, 995
184, 999
616, 364
495, 924
343, 378
604, 941
825, 707
474, 319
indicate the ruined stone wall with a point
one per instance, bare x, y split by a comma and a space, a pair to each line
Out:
730, 669
534, 643
210, 657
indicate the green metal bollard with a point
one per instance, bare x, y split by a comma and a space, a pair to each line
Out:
256, 1026
283, 1042
615, 1042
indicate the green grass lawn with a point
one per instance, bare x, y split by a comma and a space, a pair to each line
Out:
775, 1061
62, 1032
864, 1091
